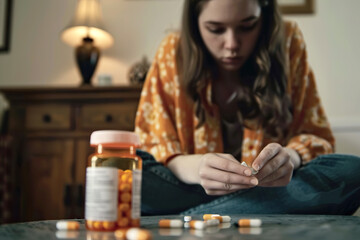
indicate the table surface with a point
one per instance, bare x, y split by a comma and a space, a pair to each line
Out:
277, 227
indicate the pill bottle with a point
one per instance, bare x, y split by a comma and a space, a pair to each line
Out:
113, 181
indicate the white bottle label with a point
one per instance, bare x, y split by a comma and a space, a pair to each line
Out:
136, 194
101, 195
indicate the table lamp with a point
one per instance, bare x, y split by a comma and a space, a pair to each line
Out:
87, 34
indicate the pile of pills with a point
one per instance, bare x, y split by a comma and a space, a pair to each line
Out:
209, 220
246, 226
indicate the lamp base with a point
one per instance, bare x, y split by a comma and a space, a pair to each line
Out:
87, 57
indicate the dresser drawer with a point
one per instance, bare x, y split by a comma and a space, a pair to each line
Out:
108, 116
54, 116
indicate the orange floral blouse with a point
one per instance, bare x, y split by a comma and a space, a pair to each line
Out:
166, 122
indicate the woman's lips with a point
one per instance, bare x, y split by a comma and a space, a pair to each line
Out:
232, 60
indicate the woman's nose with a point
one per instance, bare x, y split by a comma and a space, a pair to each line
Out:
232, 42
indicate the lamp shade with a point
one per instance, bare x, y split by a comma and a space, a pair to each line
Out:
87, 23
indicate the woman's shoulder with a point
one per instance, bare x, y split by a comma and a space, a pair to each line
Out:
171, 40
294, 39
167, 48
291, 29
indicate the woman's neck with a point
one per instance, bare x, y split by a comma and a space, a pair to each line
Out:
225, 87
228, 76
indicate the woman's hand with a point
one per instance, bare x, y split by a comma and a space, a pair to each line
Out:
222, 174
275, 165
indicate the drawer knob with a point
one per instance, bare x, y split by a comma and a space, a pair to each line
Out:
108, 118
46, 118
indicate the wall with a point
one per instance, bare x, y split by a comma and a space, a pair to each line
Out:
38, 57
333, 46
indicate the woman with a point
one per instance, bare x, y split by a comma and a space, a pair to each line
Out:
231, 114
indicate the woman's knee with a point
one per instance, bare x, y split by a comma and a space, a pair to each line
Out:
349, 162
342, 166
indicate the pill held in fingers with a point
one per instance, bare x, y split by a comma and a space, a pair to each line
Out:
253, 171
249, 222
171, 223
67, 225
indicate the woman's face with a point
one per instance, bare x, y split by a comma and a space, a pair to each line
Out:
230, 30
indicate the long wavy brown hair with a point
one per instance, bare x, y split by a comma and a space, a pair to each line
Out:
264, 79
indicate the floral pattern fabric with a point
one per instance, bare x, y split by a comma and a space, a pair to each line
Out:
166, 121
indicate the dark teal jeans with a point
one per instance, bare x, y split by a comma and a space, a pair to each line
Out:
329, 184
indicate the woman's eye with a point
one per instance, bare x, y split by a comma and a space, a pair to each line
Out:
215, 30
248, 28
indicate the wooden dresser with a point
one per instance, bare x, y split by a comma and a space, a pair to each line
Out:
51, 128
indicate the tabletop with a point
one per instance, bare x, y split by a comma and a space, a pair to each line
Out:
329, 227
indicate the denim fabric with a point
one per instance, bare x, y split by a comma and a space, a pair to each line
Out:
329, 184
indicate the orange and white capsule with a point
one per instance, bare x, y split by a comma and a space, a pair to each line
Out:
222, 219
67, 225
249, 222
171, 223
197, 224
133, 234
208, 216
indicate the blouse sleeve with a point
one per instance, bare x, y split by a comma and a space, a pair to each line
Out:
155, 117
310, 132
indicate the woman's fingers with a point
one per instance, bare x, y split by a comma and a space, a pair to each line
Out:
220, 176
269, 152
280, 177
273, 165
226, 162
218, 188
223, 174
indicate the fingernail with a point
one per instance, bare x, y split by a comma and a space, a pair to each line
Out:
254, 181
256, 167
247, 172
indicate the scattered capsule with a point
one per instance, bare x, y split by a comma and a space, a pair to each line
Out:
187, 218
222, 219
208, 216
67, 225
197, 224
249, 222
171, 223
